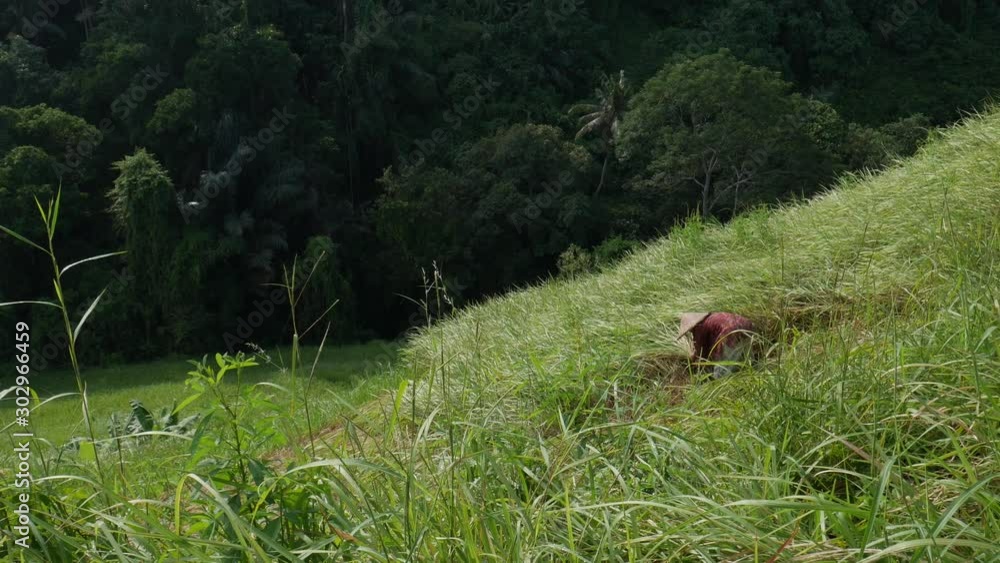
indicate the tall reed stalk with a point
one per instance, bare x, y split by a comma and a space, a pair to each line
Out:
50, 218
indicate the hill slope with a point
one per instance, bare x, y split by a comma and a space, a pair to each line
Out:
539, 430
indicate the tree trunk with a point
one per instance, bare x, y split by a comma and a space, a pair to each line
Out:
603, 170
347, 12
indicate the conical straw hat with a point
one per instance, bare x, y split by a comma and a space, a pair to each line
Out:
689, 321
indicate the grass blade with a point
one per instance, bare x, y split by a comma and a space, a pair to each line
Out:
79, 325
92, 259
54, 213
41, 210
876, 503
21, 238
958, 502
9, 303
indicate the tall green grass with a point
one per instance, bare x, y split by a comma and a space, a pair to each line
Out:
344, 370
527, 428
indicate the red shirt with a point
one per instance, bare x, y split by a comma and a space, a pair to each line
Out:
715, 332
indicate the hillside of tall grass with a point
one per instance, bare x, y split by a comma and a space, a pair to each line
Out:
556, 423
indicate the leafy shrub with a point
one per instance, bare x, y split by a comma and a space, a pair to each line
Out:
575, 261
139, 420
612, 250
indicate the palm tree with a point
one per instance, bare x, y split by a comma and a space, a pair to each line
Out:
604, 116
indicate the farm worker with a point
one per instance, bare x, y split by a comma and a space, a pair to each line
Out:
718, 337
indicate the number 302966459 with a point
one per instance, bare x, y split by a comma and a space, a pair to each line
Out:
22, 389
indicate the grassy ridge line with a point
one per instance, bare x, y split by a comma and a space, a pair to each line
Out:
868, 236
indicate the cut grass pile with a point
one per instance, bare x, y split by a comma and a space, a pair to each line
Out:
533, 427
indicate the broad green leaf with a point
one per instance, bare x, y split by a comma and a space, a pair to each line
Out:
92, 259
141, 419
22, 239
187, 401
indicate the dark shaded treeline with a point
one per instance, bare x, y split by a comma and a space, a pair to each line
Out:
217, 140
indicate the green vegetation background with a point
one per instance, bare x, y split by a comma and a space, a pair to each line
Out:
217, 140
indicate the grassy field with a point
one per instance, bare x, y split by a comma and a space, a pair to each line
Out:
343, 372
557, 423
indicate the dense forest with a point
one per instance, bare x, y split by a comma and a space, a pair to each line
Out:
500, 142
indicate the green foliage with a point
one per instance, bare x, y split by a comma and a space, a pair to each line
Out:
873, 148
523, 193
71, 328
247, 425
604, 117
906, 135
111, 66
26, 174
575, 261
327, 286
229, 60
141, 204
613, 250
139, 420
46, 127
719, 135
175, 113
26, 75
376, 86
